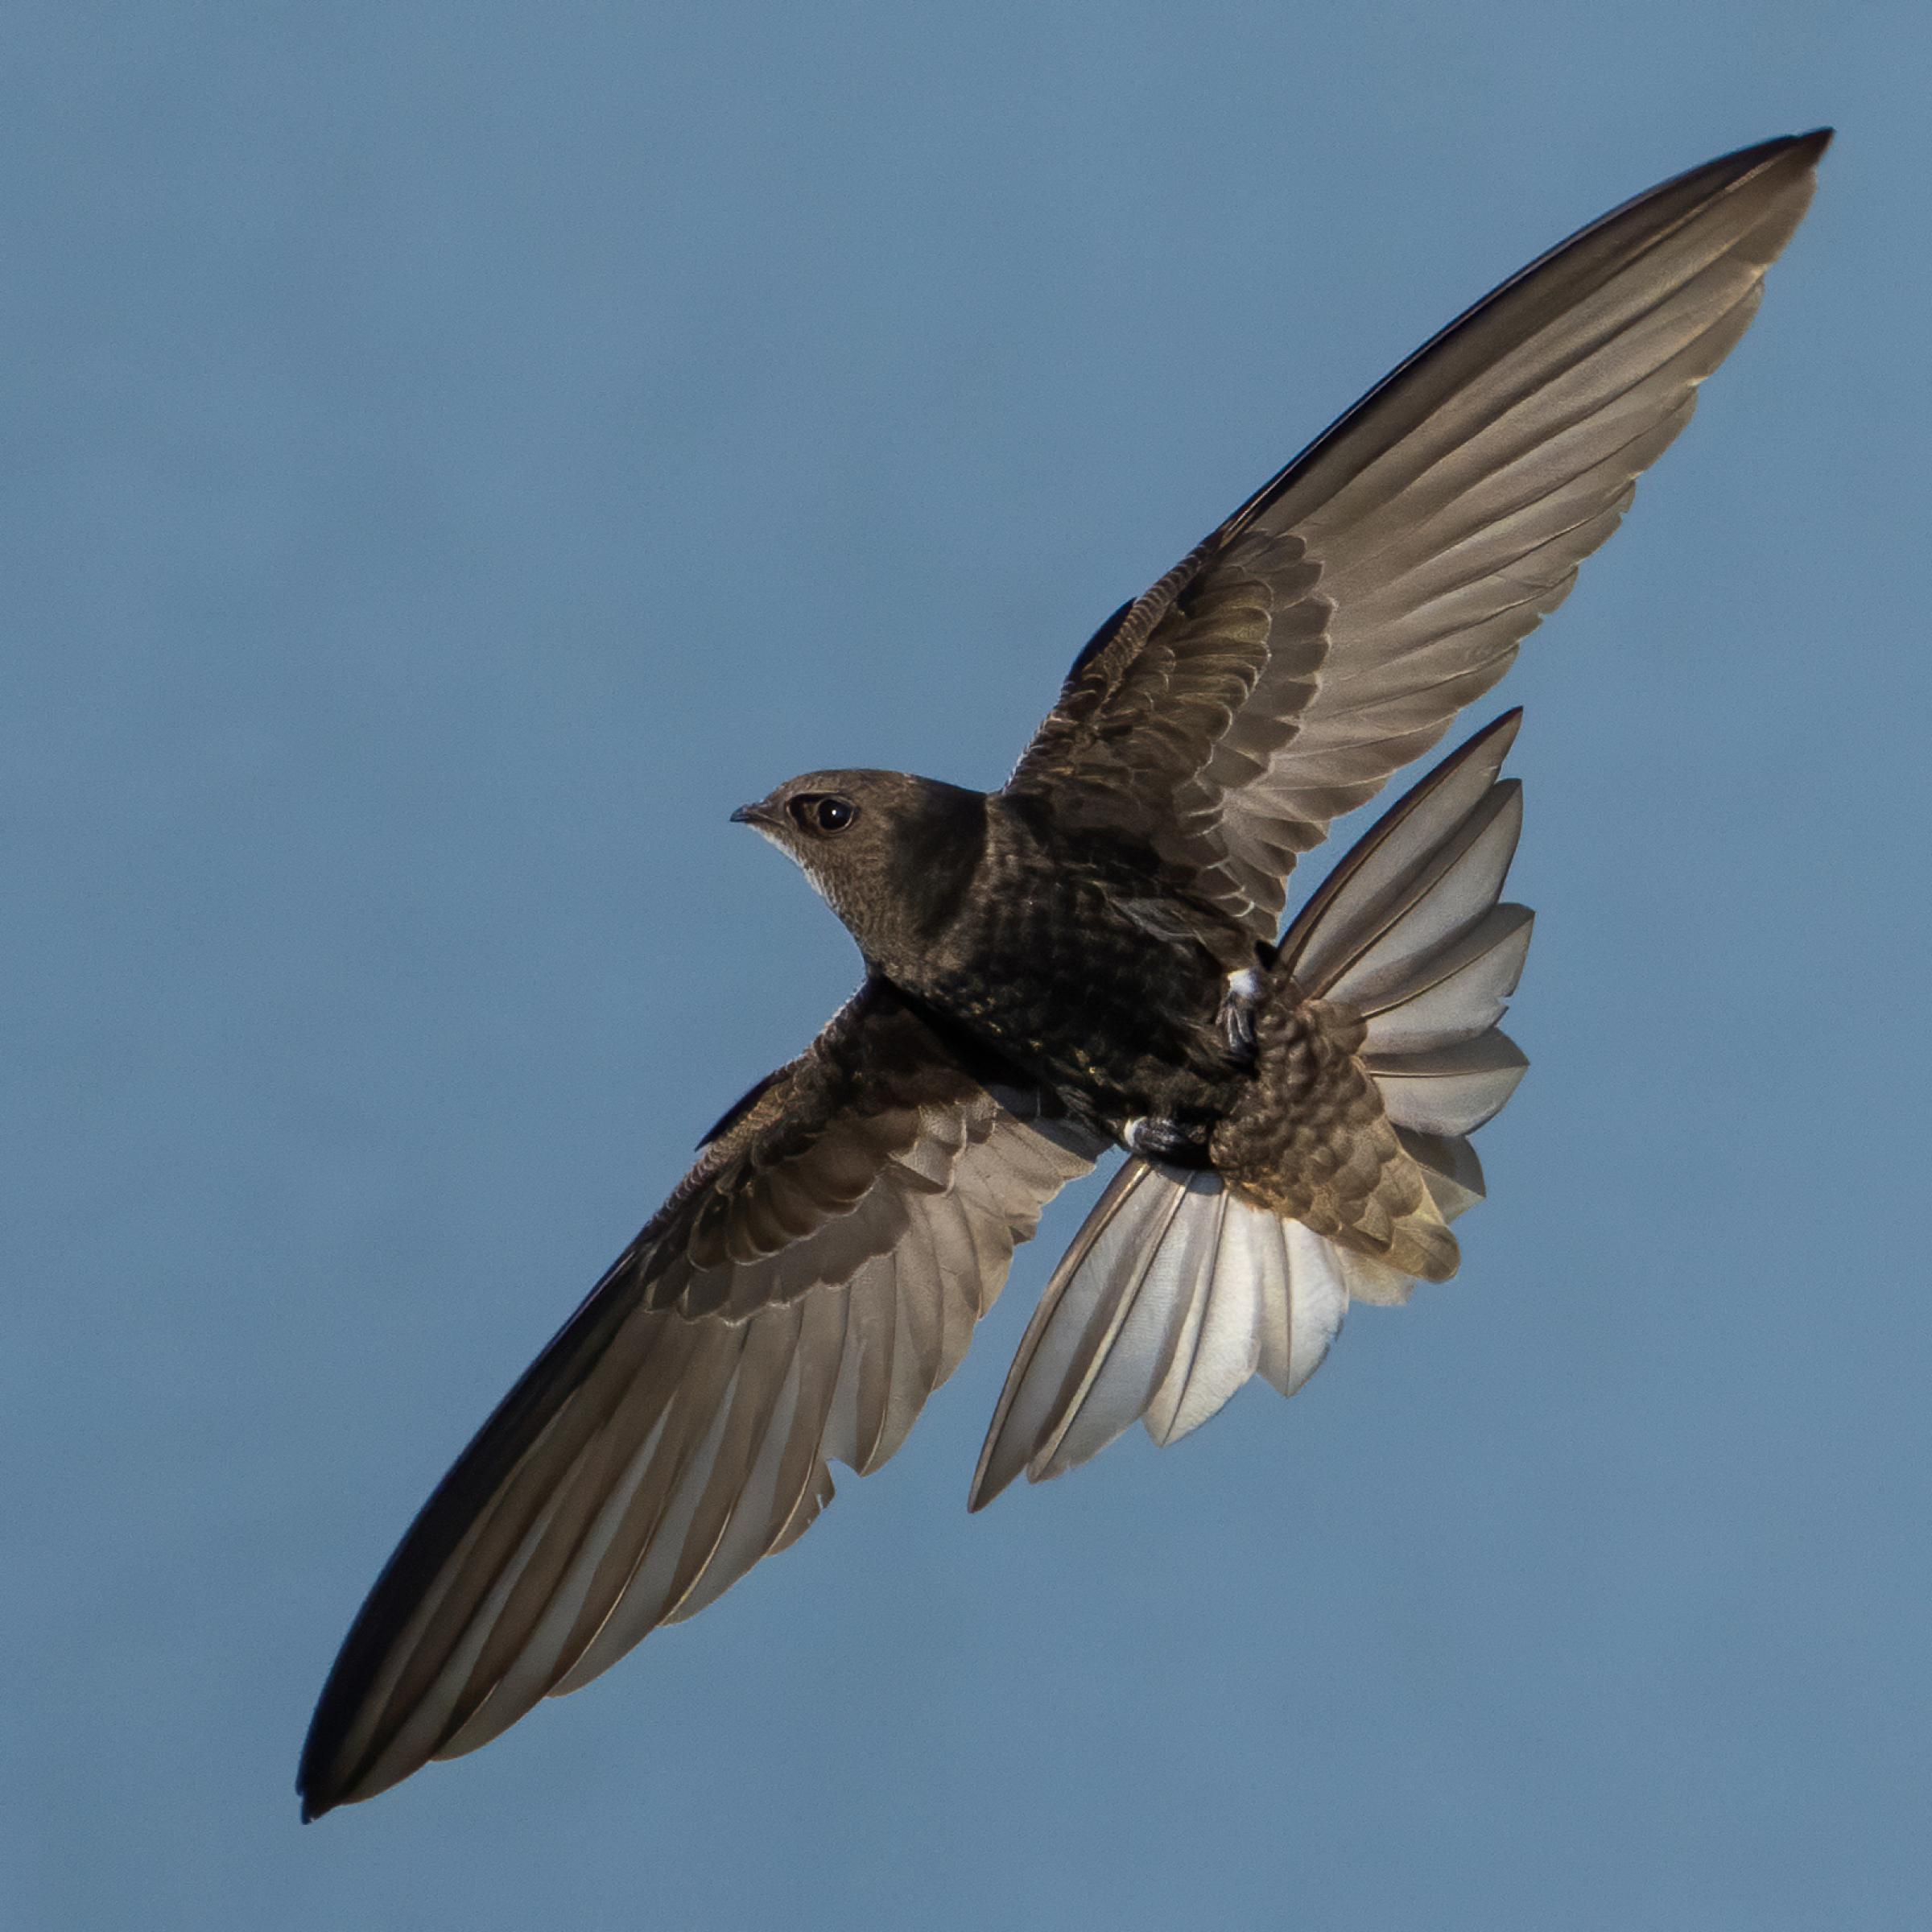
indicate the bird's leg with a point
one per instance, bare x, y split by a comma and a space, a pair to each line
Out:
1238, 1006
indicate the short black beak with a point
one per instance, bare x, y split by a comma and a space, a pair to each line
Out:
748, 814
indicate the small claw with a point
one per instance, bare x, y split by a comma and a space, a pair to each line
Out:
1238, 1007
1180, 1143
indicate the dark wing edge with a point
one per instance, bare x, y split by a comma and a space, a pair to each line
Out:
813, 1279
1326, 634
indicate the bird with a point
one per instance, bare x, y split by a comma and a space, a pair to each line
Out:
1087, 960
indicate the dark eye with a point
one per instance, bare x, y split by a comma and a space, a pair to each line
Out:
823, 811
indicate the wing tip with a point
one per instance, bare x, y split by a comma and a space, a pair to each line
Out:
1726, 171
323, 1783
317, 1800
1811, 144
319, 1790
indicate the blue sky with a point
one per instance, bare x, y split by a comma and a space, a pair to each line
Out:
456, 454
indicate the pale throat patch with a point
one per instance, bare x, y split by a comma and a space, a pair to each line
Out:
770, 834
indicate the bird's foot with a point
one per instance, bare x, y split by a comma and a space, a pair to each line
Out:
1162, 1137
1239, 1004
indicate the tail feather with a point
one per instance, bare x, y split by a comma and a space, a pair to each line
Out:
1097, 1272
1376, 878
1174, 1294
1451, 1089
1180, 1287
1408, 931
1451, 1169
1221, 1338
1128, 1354
1460, 992
1457, 885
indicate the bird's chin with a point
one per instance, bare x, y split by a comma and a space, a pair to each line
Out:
765, 823
773, 831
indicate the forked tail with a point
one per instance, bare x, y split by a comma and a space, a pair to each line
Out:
1379, 1054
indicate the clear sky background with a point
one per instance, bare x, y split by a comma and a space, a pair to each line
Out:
457, 453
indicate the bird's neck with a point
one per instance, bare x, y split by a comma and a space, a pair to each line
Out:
902, 916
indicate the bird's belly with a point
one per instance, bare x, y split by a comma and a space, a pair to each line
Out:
1122, 1024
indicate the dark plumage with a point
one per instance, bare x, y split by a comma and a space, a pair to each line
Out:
1078, 955
1088, 957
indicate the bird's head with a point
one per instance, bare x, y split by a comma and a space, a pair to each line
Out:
888, 851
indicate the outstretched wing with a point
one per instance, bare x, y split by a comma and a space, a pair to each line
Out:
1326, 634
810, 1283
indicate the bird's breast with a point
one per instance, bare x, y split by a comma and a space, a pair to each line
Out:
1086, 979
